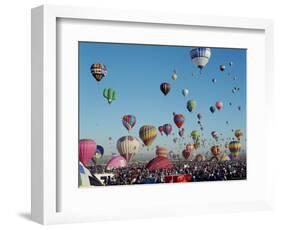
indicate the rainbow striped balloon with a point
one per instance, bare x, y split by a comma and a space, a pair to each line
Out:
234, 148
148, 133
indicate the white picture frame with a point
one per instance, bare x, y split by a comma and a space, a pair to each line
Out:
49, 185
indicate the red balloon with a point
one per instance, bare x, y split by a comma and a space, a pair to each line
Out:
159, 163
219, 105
87, 149
186, 154
178, 119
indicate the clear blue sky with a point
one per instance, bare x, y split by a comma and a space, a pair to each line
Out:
136, 72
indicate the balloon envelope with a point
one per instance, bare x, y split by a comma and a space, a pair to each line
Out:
87, 149
116, 162
191, 105
129, 121
219, 105
147, 134
185, 92
98, 71
215, 150
165, 88
234, 148
110, 94
200, 56
159, 163
238, 134
161, 151
212, 109
128, 147
178, 119
167, 129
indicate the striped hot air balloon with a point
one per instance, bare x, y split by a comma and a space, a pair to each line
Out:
87, 149
234, 148
200, 56
110, 94
128, 147
147, 134
161, 151
98, 71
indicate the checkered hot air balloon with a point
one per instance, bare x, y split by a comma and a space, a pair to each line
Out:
98, 71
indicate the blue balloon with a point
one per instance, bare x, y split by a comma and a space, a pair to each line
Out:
100, 150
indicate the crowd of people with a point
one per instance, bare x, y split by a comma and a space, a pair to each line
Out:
137, 173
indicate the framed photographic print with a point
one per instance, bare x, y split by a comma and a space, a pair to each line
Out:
131, 110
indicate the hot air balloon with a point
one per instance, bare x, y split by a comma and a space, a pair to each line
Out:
191, 105
161, 151
238, 134
215, 135
200, 56
181, 132
178, 119
195, 135
234, 148
222, 68
188, 151
199, 158
230, 63
174, 75
98, 71
147, 134
128, 147
110, 94
219, 105
224, 157
215, 150
165, 88
186, 154
199, 116
160, 129
99, 152
159, 163
167, 129
175, 140
185, 92
116, 162
212, 109
129, 121
87, 149
239, 108
214, 80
